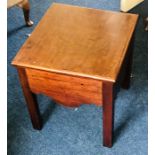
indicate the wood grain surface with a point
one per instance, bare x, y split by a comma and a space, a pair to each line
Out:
67, 90
79, 41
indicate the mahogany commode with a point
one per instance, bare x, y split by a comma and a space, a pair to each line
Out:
77, 55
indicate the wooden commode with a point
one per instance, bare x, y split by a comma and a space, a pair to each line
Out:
77, 55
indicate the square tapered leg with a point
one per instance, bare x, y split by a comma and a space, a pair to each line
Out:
108, 114
30, 100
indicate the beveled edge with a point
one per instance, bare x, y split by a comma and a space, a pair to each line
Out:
65, 72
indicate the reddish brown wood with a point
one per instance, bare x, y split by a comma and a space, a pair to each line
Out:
30, 100
67, 90
108, 114
75, 56
79, 41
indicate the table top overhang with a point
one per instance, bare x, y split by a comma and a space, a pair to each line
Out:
79, 41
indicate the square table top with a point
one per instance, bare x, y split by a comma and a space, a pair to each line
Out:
79, 41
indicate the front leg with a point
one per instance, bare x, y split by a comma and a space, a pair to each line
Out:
108, 114
31, 101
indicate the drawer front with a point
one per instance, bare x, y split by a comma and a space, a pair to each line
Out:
65, 89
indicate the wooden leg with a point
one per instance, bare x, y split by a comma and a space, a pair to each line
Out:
25, 5
127, 77
108, 114
31, 100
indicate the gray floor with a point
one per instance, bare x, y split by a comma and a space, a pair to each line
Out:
68, 131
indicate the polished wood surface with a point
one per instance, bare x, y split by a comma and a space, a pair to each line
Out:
108, 113
79, 41
77, 55
68, 90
